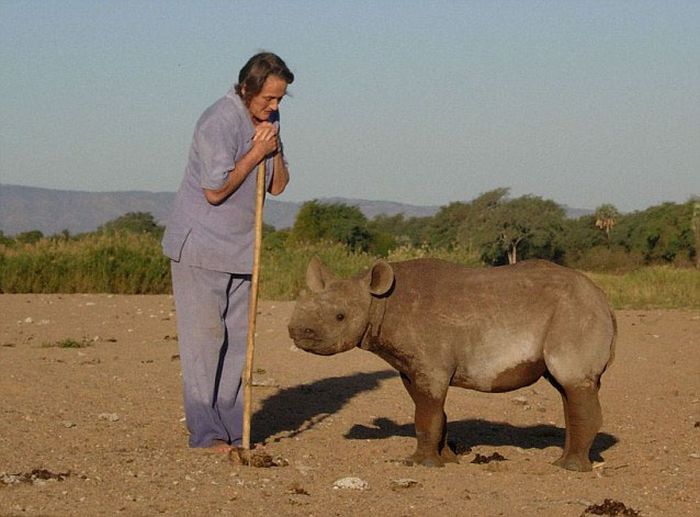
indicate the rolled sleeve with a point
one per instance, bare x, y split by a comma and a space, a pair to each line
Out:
216, 149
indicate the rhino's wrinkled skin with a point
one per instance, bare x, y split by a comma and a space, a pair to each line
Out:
491, 330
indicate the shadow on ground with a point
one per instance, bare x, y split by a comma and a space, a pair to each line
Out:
470, 433
294, 410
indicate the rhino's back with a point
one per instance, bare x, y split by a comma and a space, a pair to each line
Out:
448, 292
439, 278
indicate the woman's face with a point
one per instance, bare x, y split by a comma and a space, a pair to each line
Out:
268, 100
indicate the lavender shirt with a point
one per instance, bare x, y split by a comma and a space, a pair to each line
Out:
216, 237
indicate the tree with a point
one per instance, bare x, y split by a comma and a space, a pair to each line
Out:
29, 237
391, 231
662, 233
5, 240
525, 227
606, 217
64, 235
274, 240
479, 211
387, 232
456, 222
579, 236
416, 230
133, 222
336, 222
443, 229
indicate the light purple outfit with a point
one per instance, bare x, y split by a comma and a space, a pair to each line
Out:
211, 252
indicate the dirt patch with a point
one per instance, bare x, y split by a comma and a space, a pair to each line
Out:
610, 507
106, 419
481, 458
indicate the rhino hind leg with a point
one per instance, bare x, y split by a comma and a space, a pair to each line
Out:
583, 418
431, 427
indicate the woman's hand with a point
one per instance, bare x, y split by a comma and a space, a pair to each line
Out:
265, 139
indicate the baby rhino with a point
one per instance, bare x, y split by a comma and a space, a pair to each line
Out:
491, 329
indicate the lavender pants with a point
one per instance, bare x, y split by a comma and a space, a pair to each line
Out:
212, 324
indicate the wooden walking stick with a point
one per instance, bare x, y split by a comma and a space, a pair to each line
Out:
247, 379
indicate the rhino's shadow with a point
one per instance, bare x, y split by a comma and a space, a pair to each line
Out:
469, 433
294, 410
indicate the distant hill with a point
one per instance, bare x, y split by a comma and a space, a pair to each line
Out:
51, 211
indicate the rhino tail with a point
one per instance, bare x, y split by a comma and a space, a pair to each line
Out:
613, 341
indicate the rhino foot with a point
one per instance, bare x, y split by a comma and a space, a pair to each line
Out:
432, 460
448, 455
575, 463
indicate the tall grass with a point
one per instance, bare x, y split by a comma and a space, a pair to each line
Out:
113, 263
283, 269
134, 264
654, 287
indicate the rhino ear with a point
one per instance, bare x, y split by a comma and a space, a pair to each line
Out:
317, 275
380, 278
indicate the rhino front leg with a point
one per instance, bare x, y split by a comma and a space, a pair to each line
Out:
430, 422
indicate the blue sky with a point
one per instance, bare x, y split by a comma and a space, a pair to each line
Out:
582, 102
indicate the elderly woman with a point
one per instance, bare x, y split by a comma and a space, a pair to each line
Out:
210, 237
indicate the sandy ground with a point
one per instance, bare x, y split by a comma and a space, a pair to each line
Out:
99, 430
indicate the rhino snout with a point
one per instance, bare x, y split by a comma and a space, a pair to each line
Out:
299, 333
309, 340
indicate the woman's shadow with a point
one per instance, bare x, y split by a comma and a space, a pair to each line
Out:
294, 410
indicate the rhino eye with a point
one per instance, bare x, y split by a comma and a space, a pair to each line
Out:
340, 316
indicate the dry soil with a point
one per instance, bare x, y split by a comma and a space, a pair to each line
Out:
99, 430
